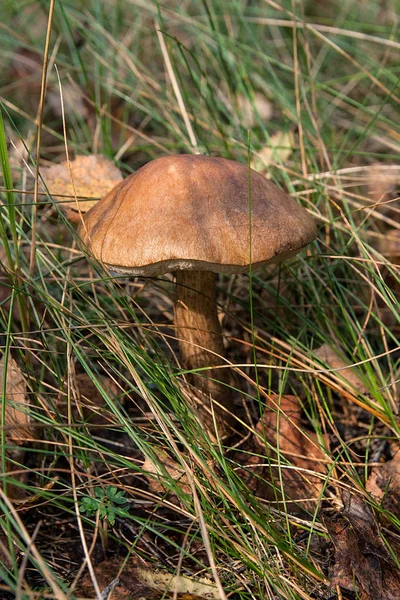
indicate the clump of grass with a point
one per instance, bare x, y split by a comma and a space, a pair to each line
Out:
330, 77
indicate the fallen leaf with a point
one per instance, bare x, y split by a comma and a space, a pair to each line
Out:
381, 184
91, 399
278, 150
293, 479
6, 287
156, 473
93, 177
332, 357
17, 426
17, 419
299, 447
389, 245
186, 587
73, 101
36, 17
26, 67
384, 484
23, 500
145, 583
362, 563
18, 155
106, 574
249, 109
5, 556
90, 404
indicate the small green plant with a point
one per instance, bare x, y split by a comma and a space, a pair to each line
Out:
109, 501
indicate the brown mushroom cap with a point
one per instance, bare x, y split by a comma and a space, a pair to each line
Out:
193, 212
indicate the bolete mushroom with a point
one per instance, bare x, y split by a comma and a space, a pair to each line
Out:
197, 216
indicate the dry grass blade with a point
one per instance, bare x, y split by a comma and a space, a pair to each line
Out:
6, 285
176, 88
39, 133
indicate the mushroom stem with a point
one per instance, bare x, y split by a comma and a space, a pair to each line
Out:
201, 345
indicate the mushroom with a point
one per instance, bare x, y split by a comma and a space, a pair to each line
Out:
197, 216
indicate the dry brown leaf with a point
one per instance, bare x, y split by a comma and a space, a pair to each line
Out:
73, 101
145, 583
17, 419
90, 404
17, 155
17, 424
278, 149
299, 447
6, 287
93, 176
384, 484
381, 183
26, 68
106, 574
174, 470
92, 401
362, 562
248, 109
30, 501
5, 557
187, 588
389, 245
332, 358
294, 481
